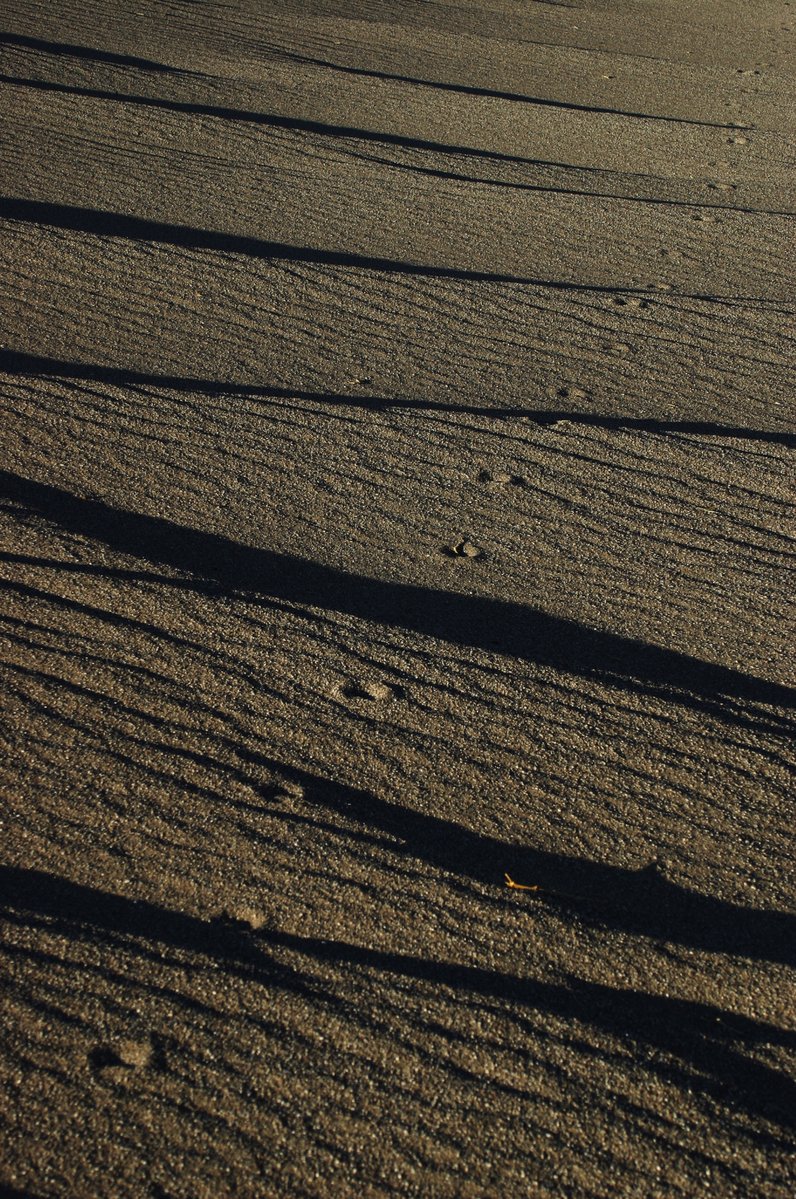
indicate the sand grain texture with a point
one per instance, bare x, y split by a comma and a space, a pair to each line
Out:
397, 494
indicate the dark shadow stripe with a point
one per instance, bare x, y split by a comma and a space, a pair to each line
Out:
707, 1041
558, 190
493, 93
88, 54
100, 223
33, 365
297, 124
77, 910
493, 625
642, 902
92, 55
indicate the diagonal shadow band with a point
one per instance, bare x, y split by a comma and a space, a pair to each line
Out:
350, 133
706, 1041
15, 362
297, 124
701, 1036
89, 54
493, 625
102, 223
492, 93
71, 907
558, 189
643, 902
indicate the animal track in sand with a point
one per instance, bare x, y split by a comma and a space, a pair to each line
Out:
284, 790
244, 918
500, 478
637, 302
463, 549
372, 690
572, 392
252, 791
135, 1055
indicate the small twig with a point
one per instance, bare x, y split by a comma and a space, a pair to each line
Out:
540, 890
519, 886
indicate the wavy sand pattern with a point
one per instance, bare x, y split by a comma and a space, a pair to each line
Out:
397, 495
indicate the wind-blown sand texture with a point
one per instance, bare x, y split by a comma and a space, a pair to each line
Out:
398, 427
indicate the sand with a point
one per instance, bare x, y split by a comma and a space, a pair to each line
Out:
397, 503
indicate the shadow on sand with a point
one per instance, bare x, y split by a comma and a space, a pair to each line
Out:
489, 624
704, 1045
35, 366
101, 223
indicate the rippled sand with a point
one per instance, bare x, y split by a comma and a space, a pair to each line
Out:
397, 504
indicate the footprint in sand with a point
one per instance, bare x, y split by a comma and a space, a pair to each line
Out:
500, 478
129, 1054
372, 690
571, 392
251, 791
637, 302
463, 549
243, 918
284, 790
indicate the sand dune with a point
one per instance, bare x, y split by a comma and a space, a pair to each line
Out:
396, 497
